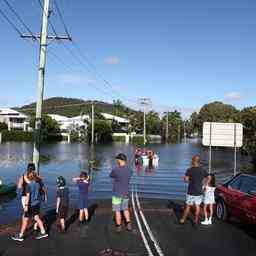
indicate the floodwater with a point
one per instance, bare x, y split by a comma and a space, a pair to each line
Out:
67, 160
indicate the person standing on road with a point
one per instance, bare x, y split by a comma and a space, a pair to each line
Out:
31, 206
62, 202
83, 187
209, 200
21, 189
121, 176
196, 176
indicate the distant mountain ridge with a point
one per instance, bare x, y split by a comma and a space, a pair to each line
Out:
70, 107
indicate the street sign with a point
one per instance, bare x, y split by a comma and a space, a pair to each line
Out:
223, 134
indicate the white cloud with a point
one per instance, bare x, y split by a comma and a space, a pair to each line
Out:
112, 60
75, 79
233, 96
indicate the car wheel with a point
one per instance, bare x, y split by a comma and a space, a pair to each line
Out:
221, 210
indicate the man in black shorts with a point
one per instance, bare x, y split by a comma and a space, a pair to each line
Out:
195, 177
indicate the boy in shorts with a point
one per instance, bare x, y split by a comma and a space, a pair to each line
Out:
82, 183
62, 203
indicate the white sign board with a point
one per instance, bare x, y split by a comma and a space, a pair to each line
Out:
222, 134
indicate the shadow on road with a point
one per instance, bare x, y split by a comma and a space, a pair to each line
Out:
75, 215
177, 209
250, 230
49, 218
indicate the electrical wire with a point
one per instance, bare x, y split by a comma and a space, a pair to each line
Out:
20, 19
84, 58
61, 17
10, 22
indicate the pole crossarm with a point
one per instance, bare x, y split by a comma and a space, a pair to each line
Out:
50, 37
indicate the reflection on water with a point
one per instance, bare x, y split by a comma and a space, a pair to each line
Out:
68, 159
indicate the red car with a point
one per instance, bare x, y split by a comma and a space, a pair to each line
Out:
237, 198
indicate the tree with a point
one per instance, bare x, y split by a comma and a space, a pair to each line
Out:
153, 123
248, 118
193, 123
102, 131
3, 126
175, 126
215, 112
136, 121
49, 127
119, 108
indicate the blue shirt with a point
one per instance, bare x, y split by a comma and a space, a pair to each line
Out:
121, 179
83, 189
33, 189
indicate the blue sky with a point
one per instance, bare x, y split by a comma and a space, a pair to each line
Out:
178, 53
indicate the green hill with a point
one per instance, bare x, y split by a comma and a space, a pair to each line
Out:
71, 107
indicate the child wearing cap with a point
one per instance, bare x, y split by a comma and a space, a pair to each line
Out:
83, 187
121, 176
62, 202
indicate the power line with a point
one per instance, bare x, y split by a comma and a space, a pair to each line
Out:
86, 67
78, 57
19, 18
61, 17
10, 23
86, 59
99, 75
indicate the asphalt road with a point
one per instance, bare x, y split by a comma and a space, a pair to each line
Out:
227, 239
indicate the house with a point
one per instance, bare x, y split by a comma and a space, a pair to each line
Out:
68, 124
122, 124
14, 119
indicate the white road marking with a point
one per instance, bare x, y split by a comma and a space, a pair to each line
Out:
156, 244
140, 227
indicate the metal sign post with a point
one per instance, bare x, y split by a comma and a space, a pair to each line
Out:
235, 151
223, 135
210, 150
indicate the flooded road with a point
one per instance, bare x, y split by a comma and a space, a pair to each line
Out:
68, 159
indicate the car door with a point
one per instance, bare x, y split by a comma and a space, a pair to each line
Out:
248, 204
234, 196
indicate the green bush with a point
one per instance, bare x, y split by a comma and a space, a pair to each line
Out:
102, 131
138, 140
118, 138
16, 135
3, 126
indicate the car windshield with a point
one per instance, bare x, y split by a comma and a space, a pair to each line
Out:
236, 183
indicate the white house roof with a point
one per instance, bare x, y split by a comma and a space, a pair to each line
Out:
59, 118
66, 122
116, 118
11, 113
81, 118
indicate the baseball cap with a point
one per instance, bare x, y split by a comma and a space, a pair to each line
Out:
122, 157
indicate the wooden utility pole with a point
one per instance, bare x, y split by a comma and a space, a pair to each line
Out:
40, 89
41, 76
92, 123
167, 127
144, 102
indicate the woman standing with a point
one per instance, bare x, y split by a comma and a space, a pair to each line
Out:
32, 202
